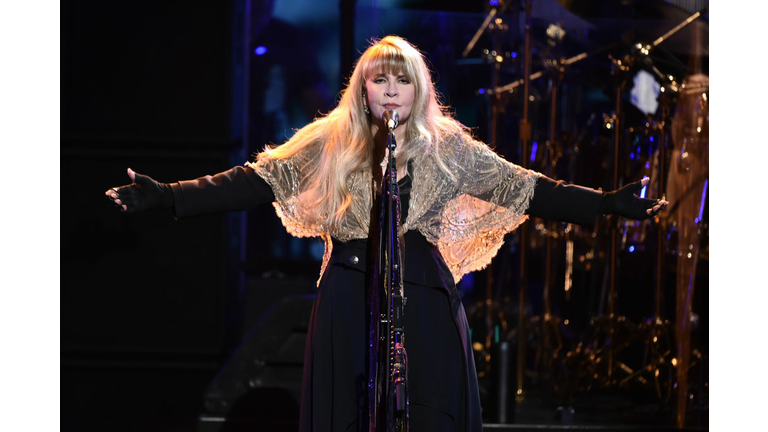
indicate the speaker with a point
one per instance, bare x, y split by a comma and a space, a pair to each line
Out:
262, 379
262, 293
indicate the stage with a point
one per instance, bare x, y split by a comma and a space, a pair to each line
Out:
202, 326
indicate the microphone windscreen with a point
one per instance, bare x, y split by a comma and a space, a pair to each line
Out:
390, 118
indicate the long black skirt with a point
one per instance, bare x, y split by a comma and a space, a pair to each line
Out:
335, 368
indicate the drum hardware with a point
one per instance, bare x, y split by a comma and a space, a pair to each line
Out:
558, 67
609, 327
596, 361
613, 325
657, 371
547, 328
657, 359
581, 368
547, 352
657, 338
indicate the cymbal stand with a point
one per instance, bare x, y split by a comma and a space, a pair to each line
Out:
656, 371
525, 139
495, 11
606, 345
493, 305
552, 341
668, 357
526, 135
551, 333
613, 332
492, 308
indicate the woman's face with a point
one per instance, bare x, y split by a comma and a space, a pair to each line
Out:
386, 91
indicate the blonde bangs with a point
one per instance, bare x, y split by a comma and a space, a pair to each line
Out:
388, 58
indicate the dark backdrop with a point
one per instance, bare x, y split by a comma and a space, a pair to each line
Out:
146, 302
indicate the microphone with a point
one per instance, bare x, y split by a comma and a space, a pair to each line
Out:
390, 118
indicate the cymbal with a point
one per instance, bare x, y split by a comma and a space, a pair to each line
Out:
634, 21
675, 41
558, 42
625, 9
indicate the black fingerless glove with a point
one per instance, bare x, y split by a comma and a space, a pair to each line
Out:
145, 194
624, 202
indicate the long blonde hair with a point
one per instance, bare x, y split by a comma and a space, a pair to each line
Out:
342, 142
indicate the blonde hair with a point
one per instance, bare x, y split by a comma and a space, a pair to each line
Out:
342, 142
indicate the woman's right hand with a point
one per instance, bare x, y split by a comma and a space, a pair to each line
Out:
143, 194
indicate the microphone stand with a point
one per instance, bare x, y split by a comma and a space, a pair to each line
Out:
388, 361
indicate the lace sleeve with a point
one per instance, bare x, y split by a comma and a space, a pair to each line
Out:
284, 177
488, 199
485, 175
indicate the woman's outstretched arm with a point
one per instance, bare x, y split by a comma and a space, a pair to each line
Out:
559, 201
236, 189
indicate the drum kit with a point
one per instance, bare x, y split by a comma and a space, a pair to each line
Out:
657, 128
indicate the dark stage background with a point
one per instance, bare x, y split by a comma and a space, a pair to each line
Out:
199, 324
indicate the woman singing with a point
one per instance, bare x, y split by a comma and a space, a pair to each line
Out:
458, 199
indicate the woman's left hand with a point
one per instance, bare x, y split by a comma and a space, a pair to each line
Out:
625, 203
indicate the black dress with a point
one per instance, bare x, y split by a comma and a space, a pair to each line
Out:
443, 389
439, 368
